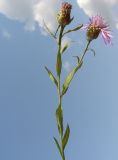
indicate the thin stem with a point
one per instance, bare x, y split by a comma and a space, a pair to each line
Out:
85, 51
59, 52
60, 39
59, 90
62, 150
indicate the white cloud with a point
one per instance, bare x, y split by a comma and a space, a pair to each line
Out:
102, 7
6, 34
31, 12
45, 11
21, 10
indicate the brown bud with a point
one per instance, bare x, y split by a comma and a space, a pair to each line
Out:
63, 16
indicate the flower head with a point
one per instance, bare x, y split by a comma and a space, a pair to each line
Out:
97, 26
63, 16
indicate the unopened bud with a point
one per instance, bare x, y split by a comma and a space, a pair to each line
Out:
63, 16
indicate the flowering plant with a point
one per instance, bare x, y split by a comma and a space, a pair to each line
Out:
94, 28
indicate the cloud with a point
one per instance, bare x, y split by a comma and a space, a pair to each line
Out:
102, 7
21, 10
31, 12
45, 11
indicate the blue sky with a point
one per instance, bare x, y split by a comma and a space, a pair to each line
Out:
28, 99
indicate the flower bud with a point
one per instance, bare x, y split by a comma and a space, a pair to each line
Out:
63, 16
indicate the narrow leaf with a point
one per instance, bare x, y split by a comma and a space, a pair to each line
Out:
73, 30
66, 137
71, 20
59, 116
77, 28
57, 30
51, 76
69, 78
59, 64
64, 48
58, 146
48, 30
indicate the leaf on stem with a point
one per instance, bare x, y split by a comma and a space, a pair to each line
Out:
64, 48
58, 146
73, 30
68, 81
48, 30
59, 117
69, 78
57, 30
51, 76
66, 137
71, 20
59, 64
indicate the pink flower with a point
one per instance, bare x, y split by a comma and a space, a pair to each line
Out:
97, 26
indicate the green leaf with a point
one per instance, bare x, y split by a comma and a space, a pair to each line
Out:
52, 77
77, 28
66, 137
73, 30
59, 117
57, 30
69, 79
58, 146
71, 20
59, 64
48, 30
64, 48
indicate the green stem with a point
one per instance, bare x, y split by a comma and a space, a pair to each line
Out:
63, 155
60, 40
59, 90
59, 52
88, 43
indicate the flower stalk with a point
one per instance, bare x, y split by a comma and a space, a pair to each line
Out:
86, 49
59, 87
